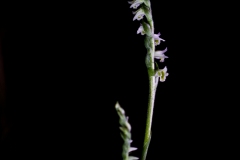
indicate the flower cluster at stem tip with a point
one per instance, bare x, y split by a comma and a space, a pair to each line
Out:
141, 11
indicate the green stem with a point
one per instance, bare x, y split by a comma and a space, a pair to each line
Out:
151, 98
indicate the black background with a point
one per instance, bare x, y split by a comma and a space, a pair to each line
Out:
66, 65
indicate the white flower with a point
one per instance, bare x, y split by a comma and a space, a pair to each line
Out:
135, 3
162, 74
157, 39
160, 55
141, 30
138, 14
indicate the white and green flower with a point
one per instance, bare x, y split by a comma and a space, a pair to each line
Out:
141, 30
157, 39
162, 74
135, 3
160, 55
139, 14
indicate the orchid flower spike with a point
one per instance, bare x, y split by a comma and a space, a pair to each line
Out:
160, 55
157, 39
162, 73
135, 3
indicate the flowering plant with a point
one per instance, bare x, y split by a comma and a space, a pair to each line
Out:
143, 9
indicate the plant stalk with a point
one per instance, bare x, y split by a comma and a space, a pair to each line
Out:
151, 98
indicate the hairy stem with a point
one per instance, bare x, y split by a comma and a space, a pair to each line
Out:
151, 98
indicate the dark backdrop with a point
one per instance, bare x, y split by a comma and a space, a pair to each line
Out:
66, 65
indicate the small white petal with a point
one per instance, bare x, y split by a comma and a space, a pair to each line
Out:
132, 158
136, 4
165, 69
140, 30
165, 50
132, 149
156, 36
